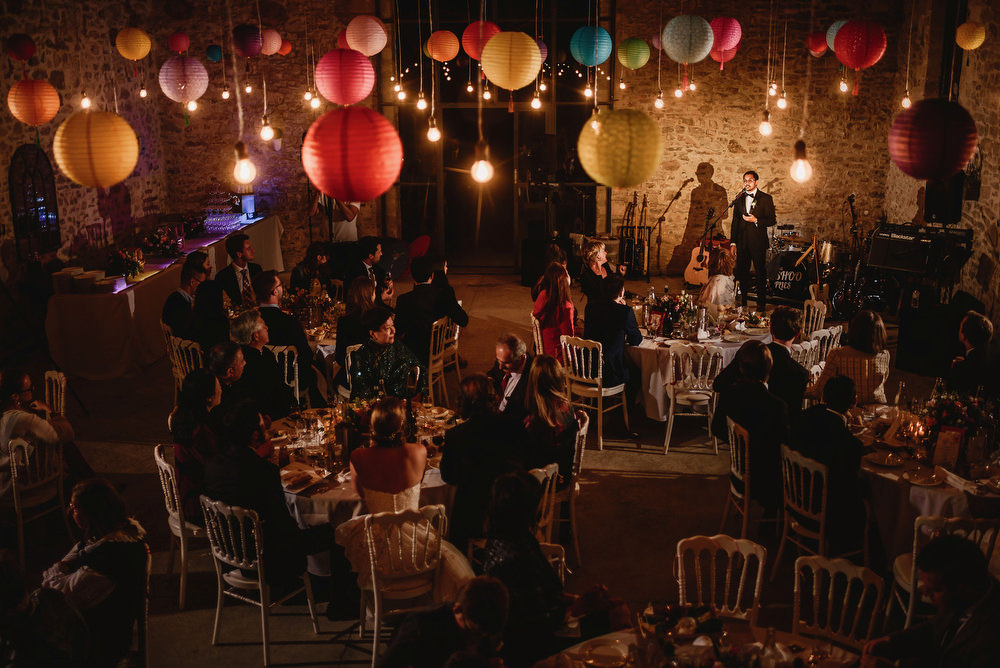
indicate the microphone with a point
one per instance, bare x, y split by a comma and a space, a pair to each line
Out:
686, 181
850, 198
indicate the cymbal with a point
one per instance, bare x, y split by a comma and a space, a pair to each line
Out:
794, 239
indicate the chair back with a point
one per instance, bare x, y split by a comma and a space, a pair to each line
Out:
583, 422
187, 356
536, 335
548, 477
813, 316
234, 534
805, 353
55, 391
336, 290
404, 550
837, 601
824, 340
739, 460
34, 468
583, 360
722, 572
348, 362
981, 531
168, 481
694, 367
805, 493
444, 333
835, 332
287, 357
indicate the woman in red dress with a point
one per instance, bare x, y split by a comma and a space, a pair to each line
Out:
554, 309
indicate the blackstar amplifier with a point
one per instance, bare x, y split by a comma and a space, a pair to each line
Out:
900, 248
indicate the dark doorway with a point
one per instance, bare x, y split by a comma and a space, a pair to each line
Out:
33, 202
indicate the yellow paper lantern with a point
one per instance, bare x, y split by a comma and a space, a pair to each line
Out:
970, 35
33, 101
133, 43
621, 148
96, 149
511, 60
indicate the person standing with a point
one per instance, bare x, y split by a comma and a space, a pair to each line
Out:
753, 213
417, 310
178, 309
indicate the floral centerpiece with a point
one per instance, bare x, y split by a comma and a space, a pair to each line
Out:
127, 262
971, 419
194, 224
163, 241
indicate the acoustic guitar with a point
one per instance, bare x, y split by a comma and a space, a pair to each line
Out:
696, 272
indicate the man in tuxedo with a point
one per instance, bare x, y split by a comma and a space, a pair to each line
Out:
284, 330
237, 278
753, 213
417, 310
613, 324
225, 361
367, 262
510, 376
177, 310
978, 367
262, 375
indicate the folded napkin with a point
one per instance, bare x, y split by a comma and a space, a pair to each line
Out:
740, 326
956, 481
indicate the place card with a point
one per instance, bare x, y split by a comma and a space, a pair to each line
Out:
948, 446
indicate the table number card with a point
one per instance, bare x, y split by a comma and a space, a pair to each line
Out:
948, 446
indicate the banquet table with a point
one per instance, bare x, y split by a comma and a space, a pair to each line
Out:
104, 336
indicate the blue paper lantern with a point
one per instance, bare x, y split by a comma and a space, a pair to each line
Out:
831, 33
214, 53
590, 45
688, 39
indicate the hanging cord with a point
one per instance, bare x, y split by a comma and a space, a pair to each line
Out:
537, 35
770, 44
659, 53
260, 31
399, 47
809, 73
236, 74
909, 39
420, 44
430, 26
784, 46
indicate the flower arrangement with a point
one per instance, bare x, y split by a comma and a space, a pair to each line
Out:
127, 262
952, 410
194, 224
163, 241
356, 414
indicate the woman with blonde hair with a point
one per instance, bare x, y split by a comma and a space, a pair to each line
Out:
596, 268
551, 424
554, 309
721, 286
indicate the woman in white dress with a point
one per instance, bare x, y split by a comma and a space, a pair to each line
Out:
720, 289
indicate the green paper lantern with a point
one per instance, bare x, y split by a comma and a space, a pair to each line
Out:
633, 53
620, 148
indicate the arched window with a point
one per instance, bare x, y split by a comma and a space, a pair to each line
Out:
33, 202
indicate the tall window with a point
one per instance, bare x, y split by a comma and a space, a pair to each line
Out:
33, 202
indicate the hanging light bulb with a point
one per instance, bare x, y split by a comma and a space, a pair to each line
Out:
469, 88
307, 95
843, 85
392, 78
621, 83
588, 91
433, 134
800, 171
401, 95
482, 168
85, 101
678, 92
536, 102
266, 131
248, 89
143, 92
595, 121
906, 100
245, 171
658, 103
765, 125
225, 92
772, 89
691, 86
487, 95
543, 87
314, 103
782, 101
397, 88
192, 105
421, 102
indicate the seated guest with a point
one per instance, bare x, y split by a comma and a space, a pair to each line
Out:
209, 321
822, 435
313, 268
510, 376
237, 278
382, 365
612, 323
721, 287
553, 253
475, 621
417, 310
554, 310
104, 575
177, 309
864, 359
476, 452
284, 330
765, 416
199, 259
350, 331
978, 367
263, 376
595, 269
551, 423
367, 262
954, 574
193, 430
226, 362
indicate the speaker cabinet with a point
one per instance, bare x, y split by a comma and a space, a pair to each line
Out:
943, 201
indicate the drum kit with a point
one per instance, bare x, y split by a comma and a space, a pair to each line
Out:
794, 262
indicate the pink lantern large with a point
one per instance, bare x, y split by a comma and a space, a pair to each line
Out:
727, 33
859, 45
352, 154
183, 78
270, 41
366, 33
247, 40
933, 139
475, 36
344, 76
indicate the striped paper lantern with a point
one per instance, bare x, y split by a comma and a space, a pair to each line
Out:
933, 139
183, 78
623, 150
96, 149
633, 53
179, 42
20, 47
33, 101
816, 42
366, 33
286, 48
133, 43
687, 39
247, 40
476, 35
970, 35
511, 60
542, 48
213, 52
590, 45
726, 36
270, 41
344, 76
723, 57
443, 45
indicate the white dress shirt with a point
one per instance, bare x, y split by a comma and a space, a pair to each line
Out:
511, 384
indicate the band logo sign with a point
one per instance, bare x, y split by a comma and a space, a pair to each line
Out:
786, 278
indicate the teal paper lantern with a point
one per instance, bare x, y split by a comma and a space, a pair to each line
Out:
688, 39
590, 45
633, 53
214, 53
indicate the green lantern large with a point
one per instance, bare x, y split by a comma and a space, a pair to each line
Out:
633, 53
620, 148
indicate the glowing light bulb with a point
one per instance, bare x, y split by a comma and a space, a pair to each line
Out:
192, 105
401, 95
308, 95
588, 91
482, 171
392, 78
543, 87
266, 131
658, 103
843, 86
765, 125
469, 88
536, 102
678, 92
245, 171
487, 95
421, 102
143, 92
621, 84
800, 171
782, 102
397, 88
906, 101
692, 87
433, 134
225, 93
595, 122
314, 103
85, 101
248, 89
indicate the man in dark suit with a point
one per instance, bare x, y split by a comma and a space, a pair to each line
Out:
237, 278
753, 213
262, 375
367, 262
417, 310
509, 376
177, 310
978, 367
225, 361
612, 323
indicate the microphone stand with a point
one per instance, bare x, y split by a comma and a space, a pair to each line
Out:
659, 223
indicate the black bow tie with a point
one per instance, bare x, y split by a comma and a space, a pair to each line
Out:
750, 195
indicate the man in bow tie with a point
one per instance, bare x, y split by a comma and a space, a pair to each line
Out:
753, 213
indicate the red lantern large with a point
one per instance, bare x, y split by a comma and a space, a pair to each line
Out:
723, 57
933, 139
727, 34
247, 40
33, 101
859, 45
475, 36
352, 154
342, 39
816, 43
344, 76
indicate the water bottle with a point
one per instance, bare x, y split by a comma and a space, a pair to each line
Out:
651, 297
938, 388
737, 295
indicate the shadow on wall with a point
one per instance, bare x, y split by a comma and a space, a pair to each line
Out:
706, 196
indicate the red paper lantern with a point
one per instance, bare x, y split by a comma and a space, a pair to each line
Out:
247, 40
179, 42
723, 57
342, 40
286, 48
20, 47
352, 154
858, 45
443, 45
344, 76
33, 101
933, 139
183, 78
816, 41
475, 36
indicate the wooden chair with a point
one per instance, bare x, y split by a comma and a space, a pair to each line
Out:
813, 316
547, 476
443, 355
584, 363
287, 357
345, 391
404, 550
168, 337
55, 391
689, 386
36, 489
840, 596
237, 542
181, 531
336, 290
187, 358
709, 564
536, 335
571, 492
739, 476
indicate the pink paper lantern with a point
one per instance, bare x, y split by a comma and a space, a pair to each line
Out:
656, 41
179, 42
816, 42
723, 57
247, 40
183, 78
727, 33
475, 36
858, 45
933, 139
344, 76
352, 154
542, 48
366, 33
270, 41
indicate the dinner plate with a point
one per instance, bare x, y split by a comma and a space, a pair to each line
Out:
315, 413
756, 331
294, 481
604, 652
735, 337
439, 412
886, 459
922, 478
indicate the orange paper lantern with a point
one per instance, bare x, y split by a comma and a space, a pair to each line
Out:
33, 101
96, 149
133, 43
443, 45
286, 48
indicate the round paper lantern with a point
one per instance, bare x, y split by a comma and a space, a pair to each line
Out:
831, 32
511, 60
286, 48
366, 33
133, 43
33, 101
623, 150
247, 40
270, 41
590, 45
933, 139
656, 41
687, 39
723, 57
213, 52
860, 44
179, 42
542, 48
443, 45
476, 35
352, 154
342, 40
970, 35
726, 33
20, 47
816, 42
344, 76
633, 53
183, 78
96, 149
426, 48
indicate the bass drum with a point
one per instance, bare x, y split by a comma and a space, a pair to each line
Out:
787, 280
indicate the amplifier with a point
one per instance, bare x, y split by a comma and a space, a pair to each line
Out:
919, 250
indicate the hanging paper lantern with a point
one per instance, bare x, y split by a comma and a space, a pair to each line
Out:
213, 52
723, 57
656, 41
183, 78
33, 101
476, 35
179, 42
426, 49
366, 33
933, 139
344, 76
831, 32
443, 45
286, 48
620, 148
726, 33
352, 154
20, 47
687, 39
247, 40
270, 41
816, 42
133, 43
342, 40
511, 60
542, 48
970, 35
633, 53
590, 45
859, 45
96, 149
